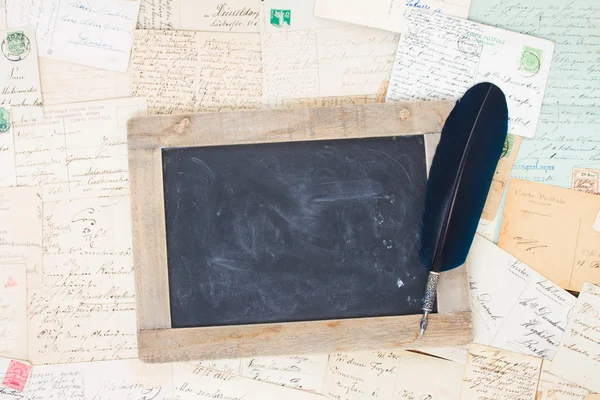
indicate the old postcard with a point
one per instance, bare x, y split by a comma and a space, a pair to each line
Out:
578, 357
200, 71
566, 136
307, 57
64, 83
465, 53
391, 375
20, 78
80, 149
551, 229
85, 311
386, 14
14, 377
20, 260
97, 34
552, 387
500, 375
206, 15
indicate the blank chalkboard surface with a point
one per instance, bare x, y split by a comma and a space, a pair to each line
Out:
294, 231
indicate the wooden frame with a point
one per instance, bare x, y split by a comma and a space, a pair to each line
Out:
158, 342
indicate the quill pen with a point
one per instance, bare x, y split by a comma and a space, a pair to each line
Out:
461, 173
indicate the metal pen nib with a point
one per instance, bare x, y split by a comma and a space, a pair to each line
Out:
428, 300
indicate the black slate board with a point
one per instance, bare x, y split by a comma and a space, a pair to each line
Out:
294, 231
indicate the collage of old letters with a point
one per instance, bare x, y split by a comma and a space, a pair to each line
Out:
74, 71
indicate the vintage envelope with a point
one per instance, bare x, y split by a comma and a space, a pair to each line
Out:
307, 57
465, 53
19, 78
206, 15
578, 357
551, 229
385, 14
94, 33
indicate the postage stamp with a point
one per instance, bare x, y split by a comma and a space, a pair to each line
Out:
470, 45
4, 120
531, 60
509, 143
16, 375
586, 180
16, 46
281, 18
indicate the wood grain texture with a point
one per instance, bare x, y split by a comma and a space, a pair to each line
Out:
149, 239
387, 333
262, 126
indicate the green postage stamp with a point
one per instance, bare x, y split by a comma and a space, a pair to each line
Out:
508, 146
280, 18
531, 60
16, 46
4, 120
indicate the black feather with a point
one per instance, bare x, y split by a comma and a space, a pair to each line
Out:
461, 174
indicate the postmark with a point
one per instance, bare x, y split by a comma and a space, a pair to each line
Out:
470, 45
509, 143
16, 46
4, 120
586, 180
281, 18
530, 61
16, 375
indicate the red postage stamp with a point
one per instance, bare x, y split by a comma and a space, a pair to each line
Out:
16, 375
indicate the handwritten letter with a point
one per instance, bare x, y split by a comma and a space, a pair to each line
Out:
499, 375
185, 72
551, 387
206, 15
85, 310
97, 34
80, 149
440, 57
578, 357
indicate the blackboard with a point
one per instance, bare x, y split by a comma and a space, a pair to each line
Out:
297, 231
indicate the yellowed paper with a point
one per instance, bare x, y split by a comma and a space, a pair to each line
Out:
387, 375
20, 258
206, 15
500, 375
386, 14
313, 57
79, 150
85, 311
551, 230
20, 77
578, 357
500, 179
551, 387
64, 83
185, 72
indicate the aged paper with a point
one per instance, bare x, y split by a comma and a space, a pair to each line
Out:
551, 387
465, 53
567, 135
20, 260
192, 382
2, 15
386, 14
305, 372
14, 377
578, 357
551, 230
80, 149
97, 34
85, 310
185, 72
387, 375
308, 57
20, 77
500, 179
206, 15
586, 180
8, 173
500, 375
64, 83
